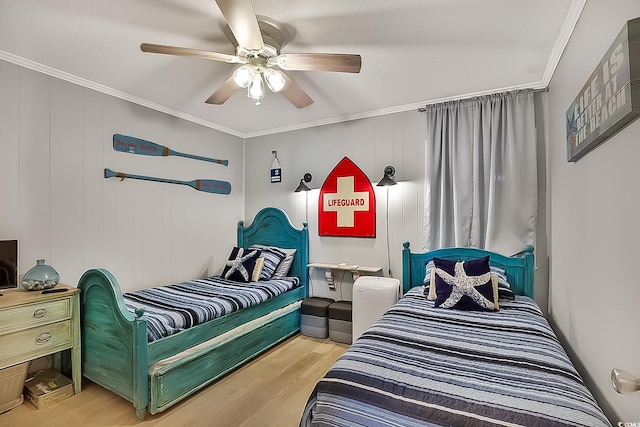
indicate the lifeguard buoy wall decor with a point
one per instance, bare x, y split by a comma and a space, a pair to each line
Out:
347, 203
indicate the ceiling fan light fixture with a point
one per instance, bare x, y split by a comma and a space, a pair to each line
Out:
281, 61
256, 88
275, 79
244, 75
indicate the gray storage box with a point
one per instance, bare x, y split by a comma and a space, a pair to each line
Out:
340, 322
314, 317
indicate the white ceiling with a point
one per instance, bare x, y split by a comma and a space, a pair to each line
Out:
414, 52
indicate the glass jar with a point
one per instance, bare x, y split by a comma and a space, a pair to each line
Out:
40, 276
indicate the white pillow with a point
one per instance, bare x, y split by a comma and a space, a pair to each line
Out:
283, 269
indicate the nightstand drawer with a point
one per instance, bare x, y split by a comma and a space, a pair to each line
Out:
29, 315
38, 340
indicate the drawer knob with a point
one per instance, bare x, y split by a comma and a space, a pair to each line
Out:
43, 338
41, 312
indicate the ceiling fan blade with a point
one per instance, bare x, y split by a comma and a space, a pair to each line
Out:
339, 62
185, 51
223, 93
241, 18
295, 94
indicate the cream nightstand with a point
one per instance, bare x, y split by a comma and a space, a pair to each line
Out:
33, 324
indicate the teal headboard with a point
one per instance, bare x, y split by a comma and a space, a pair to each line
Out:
519, 267
271, 226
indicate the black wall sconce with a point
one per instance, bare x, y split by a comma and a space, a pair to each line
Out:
387, 179
303, 186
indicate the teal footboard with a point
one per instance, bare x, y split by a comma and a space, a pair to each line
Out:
114, 343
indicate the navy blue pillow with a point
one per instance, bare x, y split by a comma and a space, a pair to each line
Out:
240, 265
464, 285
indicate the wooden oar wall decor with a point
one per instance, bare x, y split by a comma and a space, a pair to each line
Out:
133, 145
206, 185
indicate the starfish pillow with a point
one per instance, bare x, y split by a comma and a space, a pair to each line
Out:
465, 285
241, 264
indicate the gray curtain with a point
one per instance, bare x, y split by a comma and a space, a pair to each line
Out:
481, 173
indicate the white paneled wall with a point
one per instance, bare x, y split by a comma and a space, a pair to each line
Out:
372, 144
56, 140
593, 220
33, 197
9, 151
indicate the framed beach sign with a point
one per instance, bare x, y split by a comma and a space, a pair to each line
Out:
610, 99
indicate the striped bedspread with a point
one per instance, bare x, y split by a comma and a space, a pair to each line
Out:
170, 309
425, 366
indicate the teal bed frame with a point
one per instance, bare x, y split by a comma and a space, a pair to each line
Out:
519, 268
115, 352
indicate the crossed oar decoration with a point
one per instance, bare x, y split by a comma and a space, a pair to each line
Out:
129, 144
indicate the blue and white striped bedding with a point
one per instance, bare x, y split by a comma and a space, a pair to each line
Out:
173, 308
425, 366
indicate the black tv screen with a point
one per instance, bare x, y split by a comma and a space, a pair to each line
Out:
8, 263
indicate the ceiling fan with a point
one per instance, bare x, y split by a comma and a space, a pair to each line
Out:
258, 40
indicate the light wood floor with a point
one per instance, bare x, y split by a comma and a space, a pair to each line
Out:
270, 391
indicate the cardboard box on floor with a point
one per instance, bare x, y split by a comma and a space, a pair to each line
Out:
48, 387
